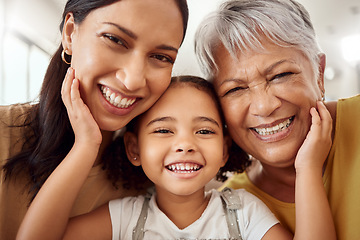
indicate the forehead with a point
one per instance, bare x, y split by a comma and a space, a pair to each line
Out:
159, 17
183, 102
248, 62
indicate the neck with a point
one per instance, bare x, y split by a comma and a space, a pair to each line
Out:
182, 210
106, 140
275, 181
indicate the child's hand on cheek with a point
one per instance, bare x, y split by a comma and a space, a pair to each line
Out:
85, 127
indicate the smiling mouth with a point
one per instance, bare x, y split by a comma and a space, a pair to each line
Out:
275, 129
184, 167
115, 99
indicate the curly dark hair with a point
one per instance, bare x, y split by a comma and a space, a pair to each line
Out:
134, 176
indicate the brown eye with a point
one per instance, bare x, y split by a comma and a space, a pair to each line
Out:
205, 131
233, 90
281, 75
162, 130
116, 40
163, 58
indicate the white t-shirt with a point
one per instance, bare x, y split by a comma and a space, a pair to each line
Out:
255, 219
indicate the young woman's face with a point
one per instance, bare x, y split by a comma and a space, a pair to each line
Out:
180, 141
123, 55
266, 98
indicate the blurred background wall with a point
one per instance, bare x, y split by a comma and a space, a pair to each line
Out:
29, 34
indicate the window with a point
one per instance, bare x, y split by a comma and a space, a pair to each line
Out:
24, 65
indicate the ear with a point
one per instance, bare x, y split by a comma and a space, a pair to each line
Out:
226, 147
67, 33
132, 148
322, 65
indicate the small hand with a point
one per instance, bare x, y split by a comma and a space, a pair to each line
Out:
85, 127
316, 147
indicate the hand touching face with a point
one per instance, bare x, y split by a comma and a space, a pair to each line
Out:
266, 97
123, 57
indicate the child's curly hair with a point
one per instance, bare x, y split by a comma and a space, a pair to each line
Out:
134, 177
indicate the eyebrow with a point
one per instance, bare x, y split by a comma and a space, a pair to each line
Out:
161, 119
171, 119
207, 119
124, 30
135, 37
271, 67
267, 70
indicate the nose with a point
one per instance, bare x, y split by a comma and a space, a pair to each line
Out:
183, 149
263, 100
185, 144
132, 73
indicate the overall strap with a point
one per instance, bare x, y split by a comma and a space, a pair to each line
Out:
138, 231
231, 203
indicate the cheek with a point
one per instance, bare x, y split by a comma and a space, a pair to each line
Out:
214, 151
158, 82
89, 62
233, 111
151, 149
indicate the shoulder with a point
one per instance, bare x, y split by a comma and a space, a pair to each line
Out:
13, 115
254, 217
350, 103
14, 110
124, 214
12, 137
247, 198
346, 112
124, 207
126, 202
243, 200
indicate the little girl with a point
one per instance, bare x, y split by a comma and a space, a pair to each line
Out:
180, 145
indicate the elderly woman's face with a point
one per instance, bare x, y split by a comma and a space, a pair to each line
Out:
266, 98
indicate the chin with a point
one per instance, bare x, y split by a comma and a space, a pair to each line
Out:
278, 157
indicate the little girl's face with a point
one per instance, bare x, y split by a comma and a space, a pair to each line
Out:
180, 141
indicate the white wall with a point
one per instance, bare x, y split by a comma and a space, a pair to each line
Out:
37, 19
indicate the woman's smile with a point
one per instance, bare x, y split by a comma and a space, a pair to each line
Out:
116, 99
274, 132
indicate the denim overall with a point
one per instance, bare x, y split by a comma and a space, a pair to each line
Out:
231, 203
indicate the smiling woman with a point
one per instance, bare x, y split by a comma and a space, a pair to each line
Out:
114, 62
268, 69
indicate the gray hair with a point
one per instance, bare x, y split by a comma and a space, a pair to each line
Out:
241, 24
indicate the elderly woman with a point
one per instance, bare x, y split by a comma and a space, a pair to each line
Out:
268, 70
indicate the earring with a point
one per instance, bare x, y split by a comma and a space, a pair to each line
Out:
63, 56
135, 158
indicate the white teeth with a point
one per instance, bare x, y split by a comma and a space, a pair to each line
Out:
115, 100
274, 129
183, 167
112, 97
